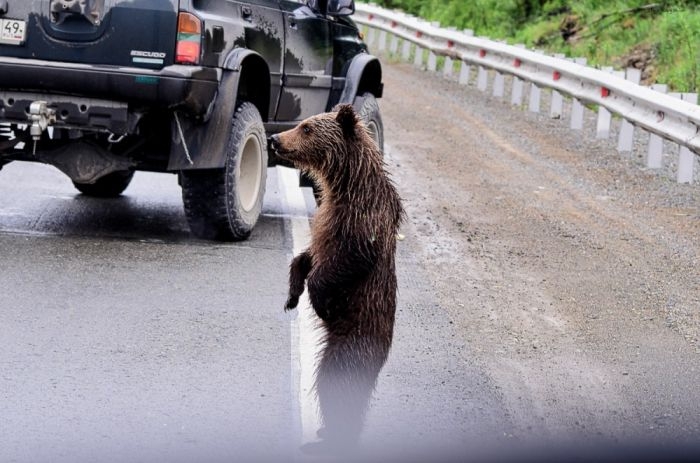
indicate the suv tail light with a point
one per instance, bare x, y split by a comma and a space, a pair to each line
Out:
189, 39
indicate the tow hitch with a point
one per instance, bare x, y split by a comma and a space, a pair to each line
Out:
41, 117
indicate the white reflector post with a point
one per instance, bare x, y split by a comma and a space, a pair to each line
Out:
557, 105
625, 142
656, 143
499, 83
686, 159
535, 96
604, 116
576, 106
482, 80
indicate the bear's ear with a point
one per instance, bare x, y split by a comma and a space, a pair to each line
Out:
347, 119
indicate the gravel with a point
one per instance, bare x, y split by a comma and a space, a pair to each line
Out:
569, 269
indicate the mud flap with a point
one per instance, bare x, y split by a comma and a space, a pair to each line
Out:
204, 143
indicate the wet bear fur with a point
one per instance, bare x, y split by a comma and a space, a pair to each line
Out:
349, 268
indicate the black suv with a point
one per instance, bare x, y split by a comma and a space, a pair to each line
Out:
102, 88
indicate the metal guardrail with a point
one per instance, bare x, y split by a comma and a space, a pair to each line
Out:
668, 117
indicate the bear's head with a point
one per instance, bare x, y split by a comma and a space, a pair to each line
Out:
324, 143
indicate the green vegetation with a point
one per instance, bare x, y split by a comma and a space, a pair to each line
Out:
661, 37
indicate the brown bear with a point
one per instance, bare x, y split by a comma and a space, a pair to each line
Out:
349, 268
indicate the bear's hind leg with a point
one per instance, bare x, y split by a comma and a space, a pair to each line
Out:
345, 381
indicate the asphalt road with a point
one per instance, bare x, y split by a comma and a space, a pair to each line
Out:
548, 299
124, 339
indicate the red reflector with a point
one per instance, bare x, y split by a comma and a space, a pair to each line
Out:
604, 92
482, 53
394, 24
556, 75
517, 63
419, 34
370, 17
187, 53
450, 44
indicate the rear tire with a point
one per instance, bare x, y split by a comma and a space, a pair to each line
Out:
109, 186
370, 115
225, 204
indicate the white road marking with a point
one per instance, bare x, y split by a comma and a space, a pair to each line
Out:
305, 335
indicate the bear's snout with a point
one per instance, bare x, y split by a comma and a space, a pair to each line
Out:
275, 145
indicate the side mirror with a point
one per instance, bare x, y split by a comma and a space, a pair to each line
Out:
341, 7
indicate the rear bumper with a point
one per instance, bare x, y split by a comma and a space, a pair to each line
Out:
190, 88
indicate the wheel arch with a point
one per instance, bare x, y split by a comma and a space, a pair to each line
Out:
364, 76
253, 79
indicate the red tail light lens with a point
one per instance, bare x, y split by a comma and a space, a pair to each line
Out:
189, 39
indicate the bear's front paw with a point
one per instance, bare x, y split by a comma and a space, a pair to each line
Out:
292, 302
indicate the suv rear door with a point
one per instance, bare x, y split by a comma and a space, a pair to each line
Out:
139, 33
308, 62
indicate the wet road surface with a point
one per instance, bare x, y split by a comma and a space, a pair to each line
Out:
547, 296
125, 339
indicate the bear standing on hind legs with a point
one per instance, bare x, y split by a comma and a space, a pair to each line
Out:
349, 268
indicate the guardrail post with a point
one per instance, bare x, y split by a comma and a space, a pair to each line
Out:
465, 69
516, 93
406, 44
371, 34
465, 73
449, 63
432, 61
432, 58
686, 158
364, 30
557, 104
499, 83
625, 142
406, 50
576, 106
656, 143
394, 46
535, 94
382, 40
604, 116
418, 57
482, 79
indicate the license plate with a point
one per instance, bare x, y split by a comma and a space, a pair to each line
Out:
12, 31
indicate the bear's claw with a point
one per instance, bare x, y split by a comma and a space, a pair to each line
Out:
292, 303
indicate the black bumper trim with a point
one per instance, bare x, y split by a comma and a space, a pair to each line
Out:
191, 88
